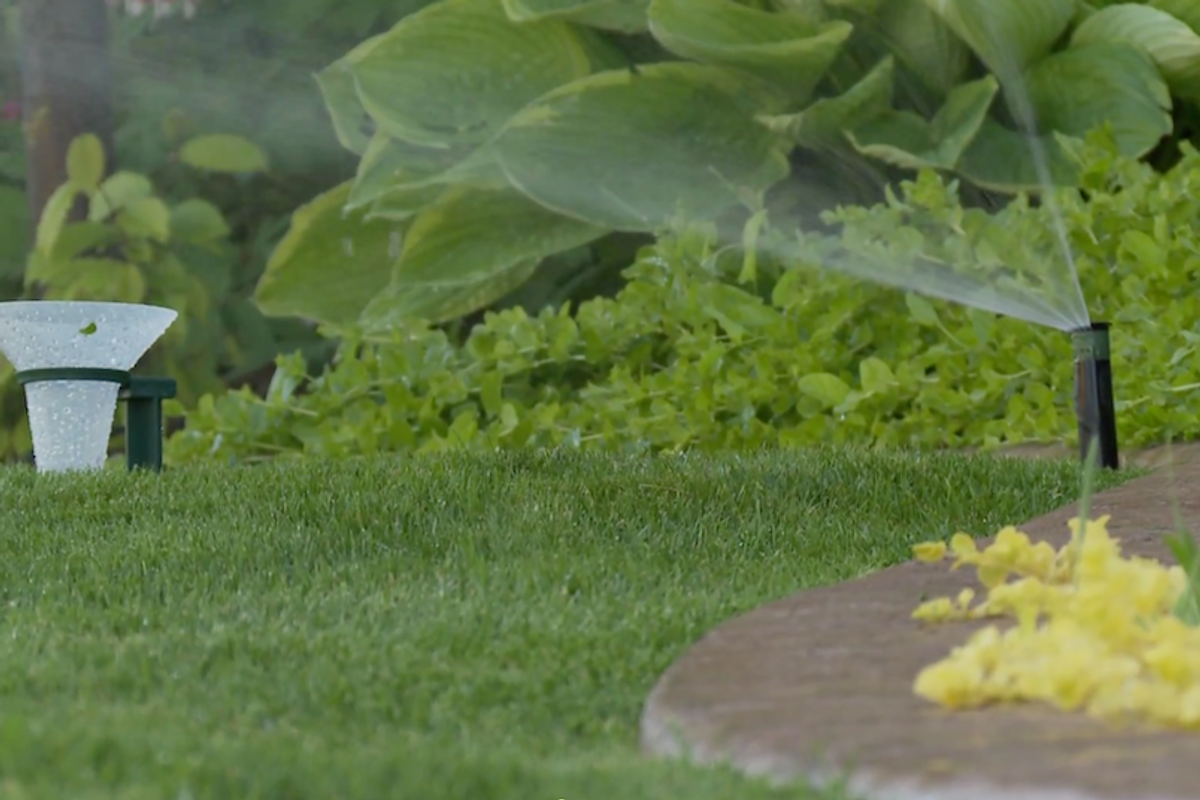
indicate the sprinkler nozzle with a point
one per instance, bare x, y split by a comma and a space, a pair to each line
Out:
1094, 394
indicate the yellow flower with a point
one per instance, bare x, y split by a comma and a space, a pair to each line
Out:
953, 683
1189, 707
1096, 630
992, 575
1009, 545
963, 545
929, 551
936, 610
941, 609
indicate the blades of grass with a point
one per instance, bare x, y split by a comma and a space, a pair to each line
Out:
1183, 546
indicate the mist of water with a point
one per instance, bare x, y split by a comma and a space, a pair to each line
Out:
1005, 291
1040, 287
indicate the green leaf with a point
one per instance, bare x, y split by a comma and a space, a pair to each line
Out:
735, 310
470, 236
338, 90
408, 174
1077, 90
630, 151
330, 263
117, 191
1009, 35
1073, 92
399, 205
906, 140
876, 376
455, 71
146, 217
624, 16
922, 310
45, 270
924, 43
1171, 44
750, 236
386, 163
491, 393
827, 389
85, 162
789, 51
54, 216
100, 280
223, 152
197, 221
441, 303
14, 231
77, 237
1003, 160
1186, 11
823, 124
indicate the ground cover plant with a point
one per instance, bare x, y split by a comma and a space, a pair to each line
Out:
482, 627
713, 347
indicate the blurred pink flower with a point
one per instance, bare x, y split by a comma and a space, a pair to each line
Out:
10, 110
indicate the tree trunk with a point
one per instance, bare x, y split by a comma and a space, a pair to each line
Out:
66, 85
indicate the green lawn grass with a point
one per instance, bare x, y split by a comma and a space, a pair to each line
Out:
470, 627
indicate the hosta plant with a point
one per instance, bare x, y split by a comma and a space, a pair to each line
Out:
492, 134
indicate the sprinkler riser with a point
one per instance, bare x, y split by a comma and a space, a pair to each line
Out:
1094, 407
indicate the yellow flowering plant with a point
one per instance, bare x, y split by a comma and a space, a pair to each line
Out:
1094, 630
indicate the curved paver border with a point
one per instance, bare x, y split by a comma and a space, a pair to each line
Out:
819, 684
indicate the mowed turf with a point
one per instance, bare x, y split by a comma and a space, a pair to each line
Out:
466, 627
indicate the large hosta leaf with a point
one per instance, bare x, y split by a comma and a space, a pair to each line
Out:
1169, 42
1009, 161
924, 43
455, 71
388, 163
823, 124
471, 234
336, 83
330, 263
788, 50
909, 141
390, 167
631, 150
625, 16
1186, 11
436, 303
1007, 35
1078, 89
466, 241
1071, 93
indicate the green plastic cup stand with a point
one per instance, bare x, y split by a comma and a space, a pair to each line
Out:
75, 361
143, 396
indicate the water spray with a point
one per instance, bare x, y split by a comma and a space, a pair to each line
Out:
1094, 394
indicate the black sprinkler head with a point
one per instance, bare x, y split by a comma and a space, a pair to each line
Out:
1094, 394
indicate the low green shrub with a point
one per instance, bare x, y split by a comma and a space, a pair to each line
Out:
715, 347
